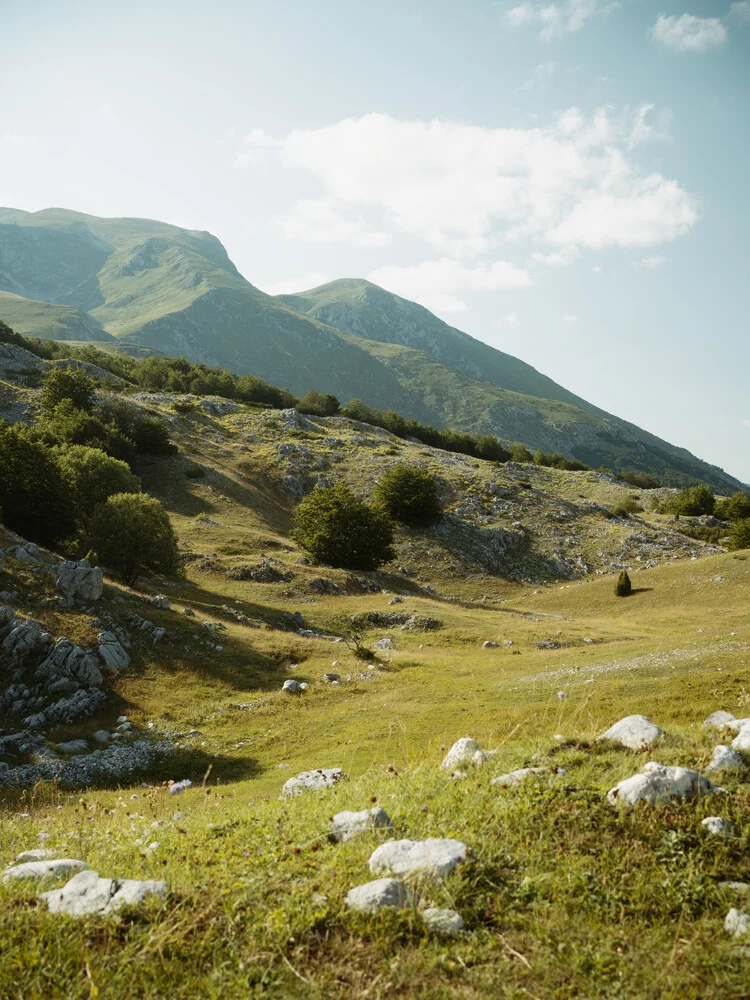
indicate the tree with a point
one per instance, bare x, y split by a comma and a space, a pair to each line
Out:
488, 447
132, 534
739, 534
66, 424
692, 501
623, 587
338, 529
319, 404
627, 506
409, 495
35, 500
734, 508
69, 383
520, 453
93, 477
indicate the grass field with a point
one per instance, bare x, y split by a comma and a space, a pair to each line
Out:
566, 896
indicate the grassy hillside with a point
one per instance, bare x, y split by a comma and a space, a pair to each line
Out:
564, 896
176, 291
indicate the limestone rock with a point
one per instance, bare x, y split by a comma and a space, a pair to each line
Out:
37, 854
346, 825
717, 720
161, 602
43, 869
292, 686
742, 739
737, 923
87, 893
383, 893
26, 639
516, 777
312, 781
634, 731
658, 783
717, 826
726, 759
112, 653
444, 923
73, 746
438, 856
487, 644
463, 751
80, 581
72, 663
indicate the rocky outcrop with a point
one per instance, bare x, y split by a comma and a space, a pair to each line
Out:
79, 581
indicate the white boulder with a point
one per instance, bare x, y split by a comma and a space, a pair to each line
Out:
634, 732
718, 720
87, 893
726, 759
717, 826
742, 739
516, 777
383, 893
737, 922
80, 581
444, 923
437, 856
37, 854
312, 781
346, 825
292, 686
43, 869
658, 783
464, 751
112, 653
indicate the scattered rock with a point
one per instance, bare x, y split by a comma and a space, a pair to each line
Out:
717, 826
438, 856
718, 720
742, 739
346, 825
383, 893
87, 893
312, 781
485, 645
73, 746
112, 653
292, 686
516, 777
330, 676
43, 869
658, 783
726, 759
80, 581
160, 601
737, 922
464, 751
634, 731
37, 854
444, 923
395, 600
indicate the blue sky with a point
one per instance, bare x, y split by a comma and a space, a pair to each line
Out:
565, 180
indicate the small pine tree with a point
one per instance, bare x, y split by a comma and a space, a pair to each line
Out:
623, 587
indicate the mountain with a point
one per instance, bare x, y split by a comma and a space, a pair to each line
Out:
72, 276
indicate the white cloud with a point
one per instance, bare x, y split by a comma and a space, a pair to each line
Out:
512, 319
652, 262
465, 190
687, 33
558, 258
570, 318
289, 286
555, 19
439, 284
740, 11
644, 130
541, 74
318, 220
746, 423
596, 269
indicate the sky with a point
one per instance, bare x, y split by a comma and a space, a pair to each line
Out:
565, 180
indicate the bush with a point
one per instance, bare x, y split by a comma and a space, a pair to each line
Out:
641, 480
132, 534
319, 404
93, 477
69, 425
35, 500
739, 534
63, 384
520, 453
692, 501
734, 508
150, 435
338, 529
409, 495
626, 507
623, 587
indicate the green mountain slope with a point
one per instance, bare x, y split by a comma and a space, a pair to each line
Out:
78, 277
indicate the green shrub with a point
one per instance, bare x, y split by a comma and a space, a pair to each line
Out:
739, 534
701, 533
641, 480
132, 535
338, 529
69, 425
319, 404
626, 507
409, 495
734, 508
149, 434
93, 476
520, 453
692, 501
67, 384
35, 499
623, 587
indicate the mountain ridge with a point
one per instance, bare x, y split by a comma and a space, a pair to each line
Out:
177, 291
